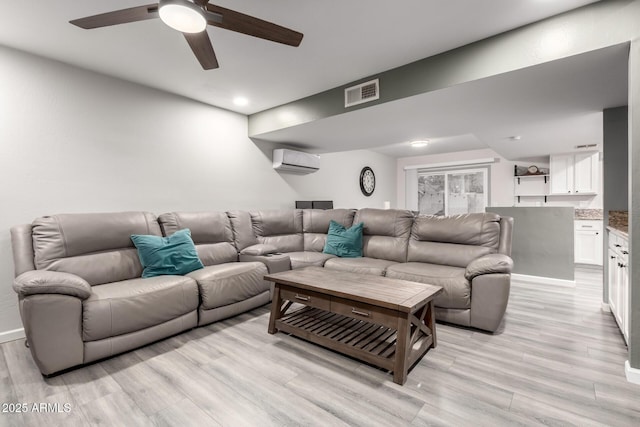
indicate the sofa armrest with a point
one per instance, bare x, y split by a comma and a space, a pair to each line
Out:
488, 264
489, 300
51, 282
259, 249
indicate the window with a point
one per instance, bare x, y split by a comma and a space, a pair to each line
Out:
451, 192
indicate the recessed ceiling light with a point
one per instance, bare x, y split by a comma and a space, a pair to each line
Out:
420, 143
240, 101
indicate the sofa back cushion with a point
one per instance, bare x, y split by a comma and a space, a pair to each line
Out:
243, 235
386, 233
315, 225
454, 240
94, 246
279, 228
211, 232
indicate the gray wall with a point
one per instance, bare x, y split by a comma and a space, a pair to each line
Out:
615, 182
76, 141
542, 240
634, 205
615, 159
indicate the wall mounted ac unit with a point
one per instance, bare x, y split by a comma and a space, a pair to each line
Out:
295, 161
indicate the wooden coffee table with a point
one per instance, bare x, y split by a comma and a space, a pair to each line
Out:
389, 323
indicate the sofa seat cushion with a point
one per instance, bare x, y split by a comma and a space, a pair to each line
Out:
363, 265
456, 288
308, 258
131, 305
225, 284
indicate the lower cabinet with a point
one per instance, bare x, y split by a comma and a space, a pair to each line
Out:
618, 280
588, 242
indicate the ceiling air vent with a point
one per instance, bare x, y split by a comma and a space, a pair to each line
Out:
364, 92
586, 146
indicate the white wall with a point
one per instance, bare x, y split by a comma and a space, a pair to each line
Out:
501, 188
76, 141
338, 180
502, 181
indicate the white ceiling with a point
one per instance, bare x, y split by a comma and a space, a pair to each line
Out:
344, 41
553, 107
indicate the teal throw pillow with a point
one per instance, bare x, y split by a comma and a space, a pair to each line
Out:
173, 255
344, 242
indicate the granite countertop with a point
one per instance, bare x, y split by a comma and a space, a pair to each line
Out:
623, 233
619, 220
588, 214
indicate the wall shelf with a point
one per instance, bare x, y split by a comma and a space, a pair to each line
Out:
532, 195
527, 177
531, 186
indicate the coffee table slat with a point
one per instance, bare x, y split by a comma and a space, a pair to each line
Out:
383, 362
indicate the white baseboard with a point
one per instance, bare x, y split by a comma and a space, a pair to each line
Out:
605, 307
7, 336
633, 374
543, 280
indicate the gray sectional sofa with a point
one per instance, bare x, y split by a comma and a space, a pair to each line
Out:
82, 298
460, 253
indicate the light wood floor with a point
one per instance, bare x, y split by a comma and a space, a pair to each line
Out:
557, 360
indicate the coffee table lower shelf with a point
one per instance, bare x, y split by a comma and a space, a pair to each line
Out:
363, 340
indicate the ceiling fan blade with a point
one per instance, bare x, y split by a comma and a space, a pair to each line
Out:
203, 50
246, 24
123, 16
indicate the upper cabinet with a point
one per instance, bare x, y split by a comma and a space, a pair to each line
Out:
561, 171
574, 174
586, 173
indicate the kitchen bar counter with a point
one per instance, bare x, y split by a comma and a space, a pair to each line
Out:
542, 241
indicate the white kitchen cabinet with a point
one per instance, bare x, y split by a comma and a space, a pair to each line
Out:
561, 171
624, 300
574, 174
588, 242
612, 280
586, 173
618, 279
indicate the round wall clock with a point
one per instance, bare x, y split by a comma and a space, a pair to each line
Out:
367, 181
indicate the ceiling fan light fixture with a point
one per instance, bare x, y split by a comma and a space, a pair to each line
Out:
182, 15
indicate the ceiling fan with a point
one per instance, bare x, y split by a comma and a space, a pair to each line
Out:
191, 17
